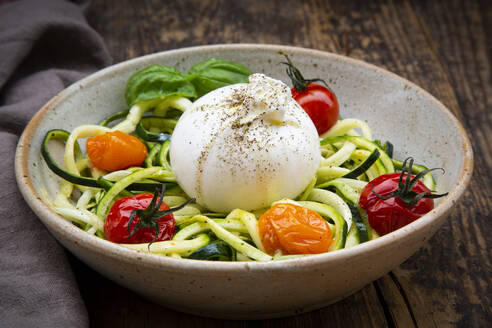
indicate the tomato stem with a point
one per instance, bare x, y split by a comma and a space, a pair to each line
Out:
298, 81
404, 190
150, 215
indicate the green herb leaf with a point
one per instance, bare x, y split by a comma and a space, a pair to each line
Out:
216, 73
157, 82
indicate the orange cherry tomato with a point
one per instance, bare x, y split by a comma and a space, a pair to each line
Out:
116, 151
293, 229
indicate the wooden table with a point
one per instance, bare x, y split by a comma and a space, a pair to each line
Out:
443, 46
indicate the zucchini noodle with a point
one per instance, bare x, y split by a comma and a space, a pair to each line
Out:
348, 162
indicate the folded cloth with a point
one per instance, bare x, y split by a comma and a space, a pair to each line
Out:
45, 45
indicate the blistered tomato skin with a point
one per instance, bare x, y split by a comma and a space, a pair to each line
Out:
293, 229
320, 104
116, 224
116, 151
391, 214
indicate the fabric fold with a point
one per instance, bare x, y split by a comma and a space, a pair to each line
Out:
44, 47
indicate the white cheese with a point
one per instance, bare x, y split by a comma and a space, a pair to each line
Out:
245, 146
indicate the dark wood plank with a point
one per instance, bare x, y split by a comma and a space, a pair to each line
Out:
440, 45
458, 37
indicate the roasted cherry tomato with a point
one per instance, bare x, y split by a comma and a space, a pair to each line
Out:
389, 207
142, 229
293, 229
116, 151
319, 102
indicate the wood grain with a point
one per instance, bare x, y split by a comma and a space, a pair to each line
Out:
443, 46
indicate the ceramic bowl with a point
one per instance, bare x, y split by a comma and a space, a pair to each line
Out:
396, 109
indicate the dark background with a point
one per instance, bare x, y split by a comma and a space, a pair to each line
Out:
443, 46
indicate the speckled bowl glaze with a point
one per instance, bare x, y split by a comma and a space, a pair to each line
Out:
396, 109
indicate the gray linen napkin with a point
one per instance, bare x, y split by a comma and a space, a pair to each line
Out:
45, 45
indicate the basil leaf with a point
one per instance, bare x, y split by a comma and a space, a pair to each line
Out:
158, 82
216, 73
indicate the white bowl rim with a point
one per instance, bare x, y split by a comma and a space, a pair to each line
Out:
115, 251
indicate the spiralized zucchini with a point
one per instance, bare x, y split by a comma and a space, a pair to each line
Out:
349, 161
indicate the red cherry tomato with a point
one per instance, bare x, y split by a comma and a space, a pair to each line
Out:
320, 104
293, 229
116, 150
116, 225
393, 213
